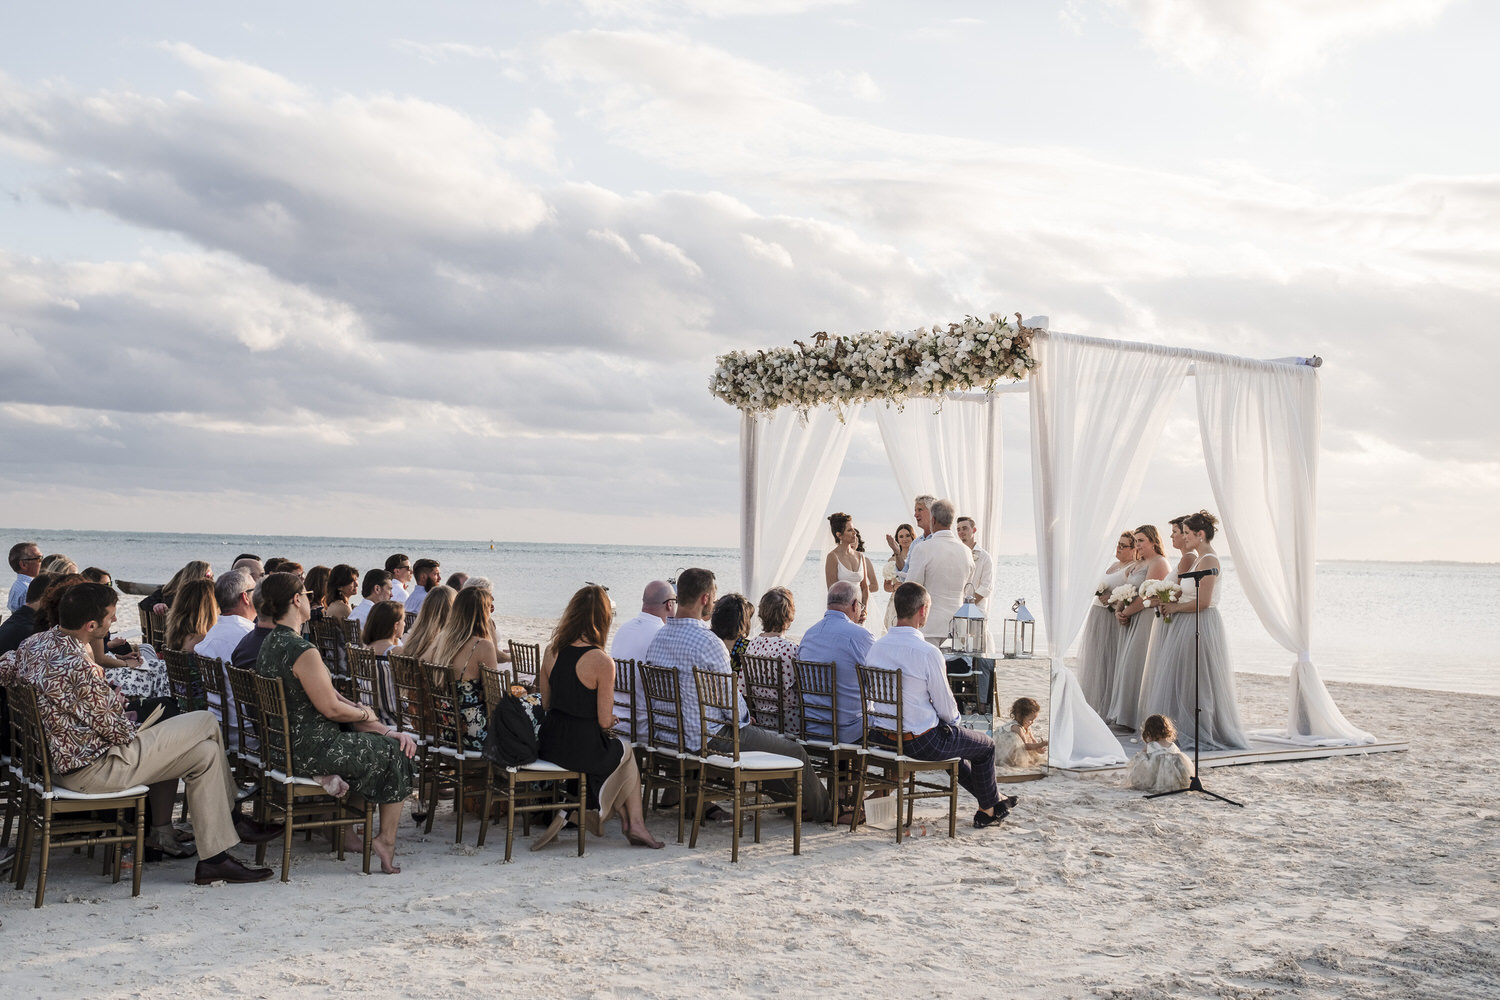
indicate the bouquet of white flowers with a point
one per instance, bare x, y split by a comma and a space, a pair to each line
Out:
1121, 597
1101, 593
1161, 592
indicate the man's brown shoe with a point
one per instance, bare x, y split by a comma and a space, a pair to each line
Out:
229, 870
253, 832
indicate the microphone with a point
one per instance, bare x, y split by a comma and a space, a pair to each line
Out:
1198, 574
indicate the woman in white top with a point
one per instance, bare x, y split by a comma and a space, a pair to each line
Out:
846, 562
1099, 648
905, 535
1130, 662
1169, 684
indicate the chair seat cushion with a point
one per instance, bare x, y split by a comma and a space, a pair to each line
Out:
299, 780
756, 760
59, 792
540, 767
450, 752
906, 758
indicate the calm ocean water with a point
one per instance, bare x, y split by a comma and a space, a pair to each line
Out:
1428, 625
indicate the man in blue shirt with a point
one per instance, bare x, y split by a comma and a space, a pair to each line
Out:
838, 640
685, 642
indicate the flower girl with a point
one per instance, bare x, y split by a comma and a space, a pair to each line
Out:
1160, 766
1014, 745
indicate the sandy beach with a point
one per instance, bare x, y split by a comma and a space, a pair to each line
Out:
1354, 876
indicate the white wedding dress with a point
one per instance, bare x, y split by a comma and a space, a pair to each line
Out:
1167, 688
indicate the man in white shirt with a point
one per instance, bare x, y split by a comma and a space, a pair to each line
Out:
375, 588
427, 574
633, 638
235, 592
982, 582
929, 713
942, 565
399, 566
26, 561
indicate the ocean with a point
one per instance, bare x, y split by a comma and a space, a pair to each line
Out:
1425, 625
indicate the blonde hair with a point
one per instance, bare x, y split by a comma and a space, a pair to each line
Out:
195, 570
193, 612
470, 617
436, 607
1158, 729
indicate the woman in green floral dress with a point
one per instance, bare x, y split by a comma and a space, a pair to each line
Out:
372, 757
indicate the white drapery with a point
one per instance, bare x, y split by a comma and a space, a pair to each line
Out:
1259, 422
954, 453
1097, 408
788, 468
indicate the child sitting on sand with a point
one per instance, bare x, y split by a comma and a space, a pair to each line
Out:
1014, 745
1160, 766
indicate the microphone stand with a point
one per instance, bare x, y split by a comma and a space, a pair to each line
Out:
1196, 784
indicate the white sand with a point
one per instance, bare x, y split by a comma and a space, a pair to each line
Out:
1357, 876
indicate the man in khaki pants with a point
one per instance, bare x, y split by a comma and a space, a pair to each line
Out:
95, 748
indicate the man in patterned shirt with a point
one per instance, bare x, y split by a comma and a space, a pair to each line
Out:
95, 748
685, 642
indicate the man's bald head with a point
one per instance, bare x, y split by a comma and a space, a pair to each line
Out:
658, 599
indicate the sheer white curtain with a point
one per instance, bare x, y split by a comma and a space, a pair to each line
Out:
1260, 439
955, 452
788, 468
1097, 408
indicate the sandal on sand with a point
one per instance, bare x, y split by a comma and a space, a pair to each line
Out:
550, 834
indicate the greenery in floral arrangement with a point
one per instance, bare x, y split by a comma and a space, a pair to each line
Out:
836, 370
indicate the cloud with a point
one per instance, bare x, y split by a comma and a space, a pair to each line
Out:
656, 10
439, 51
1270, 39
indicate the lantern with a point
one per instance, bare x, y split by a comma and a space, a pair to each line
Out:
1019, 638
966, 631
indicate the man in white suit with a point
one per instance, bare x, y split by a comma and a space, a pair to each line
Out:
942, 565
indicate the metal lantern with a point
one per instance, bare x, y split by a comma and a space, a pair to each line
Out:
966, 631
1019, 638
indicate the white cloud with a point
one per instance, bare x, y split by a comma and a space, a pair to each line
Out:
1272, 39
437, 52
655, 10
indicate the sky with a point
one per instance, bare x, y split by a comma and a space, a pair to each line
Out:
461, 270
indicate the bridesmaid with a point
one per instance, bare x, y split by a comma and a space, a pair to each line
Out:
1130, 664
1169, 683
1101, 633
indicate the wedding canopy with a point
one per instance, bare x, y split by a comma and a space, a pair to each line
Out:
1097, 410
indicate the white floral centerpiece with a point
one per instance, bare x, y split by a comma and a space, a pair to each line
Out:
835, 370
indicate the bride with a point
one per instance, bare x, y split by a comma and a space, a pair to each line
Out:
1168, 686
1101, 633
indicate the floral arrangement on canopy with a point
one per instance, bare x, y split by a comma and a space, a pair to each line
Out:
835, 370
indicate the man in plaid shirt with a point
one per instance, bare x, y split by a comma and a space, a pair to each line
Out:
685, 642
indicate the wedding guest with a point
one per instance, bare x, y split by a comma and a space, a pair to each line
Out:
399, 567
26, 563
114, 643
900, 548
929, 712
384, 626
730, 621
981, 583
426, 574
1160, 766
375, 759
316, 583
577, 688
467, 645
343, 583
59, 564
375, 588
685, 642
235, 594
96, 749
1130, 660
942, 565
248, 555
23, 624
1175, 678
1099, 648
194, 612
252, 566
633, 638
424, 634
1016, 746
777, 611
290, 566
836, 638
457, 581
845, 561
248, 651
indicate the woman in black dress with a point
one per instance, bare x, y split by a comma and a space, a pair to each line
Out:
577, 681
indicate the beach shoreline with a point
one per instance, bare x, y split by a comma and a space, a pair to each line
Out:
1354, 876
